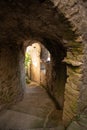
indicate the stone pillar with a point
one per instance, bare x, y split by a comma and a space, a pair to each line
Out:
35, 62
11, 74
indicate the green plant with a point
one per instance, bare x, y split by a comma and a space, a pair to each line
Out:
27, 59
27, 64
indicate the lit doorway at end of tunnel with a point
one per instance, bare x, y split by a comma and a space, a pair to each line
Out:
36, 59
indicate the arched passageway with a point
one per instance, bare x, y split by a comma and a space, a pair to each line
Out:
55, 69
61, 27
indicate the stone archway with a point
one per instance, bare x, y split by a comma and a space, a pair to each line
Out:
61, 21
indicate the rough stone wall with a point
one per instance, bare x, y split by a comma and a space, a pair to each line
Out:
72, 89
58, 82
83, 87
44, 54
11, 77
56, 77
43, 67
43, 76
75, 11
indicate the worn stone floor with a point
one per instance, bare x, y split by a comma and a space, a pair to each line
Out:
36, 112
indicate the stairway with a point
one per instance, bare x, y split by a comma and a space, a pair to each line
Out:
36, 112
12, 120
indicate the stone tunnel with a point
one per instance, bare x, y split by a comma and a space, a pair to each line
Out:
61, 26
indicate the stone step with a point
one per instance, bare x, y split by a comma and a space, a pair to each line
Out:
35, 112
37, 129
56, 128
14, 120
